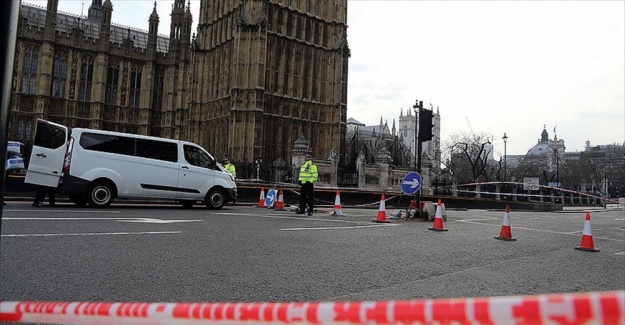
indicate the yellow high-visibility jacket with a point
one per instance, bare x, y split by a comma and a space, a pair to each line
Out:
308, 172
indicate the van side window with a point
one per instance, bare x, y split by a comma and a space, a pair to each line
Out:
160, 150
121, 145
107, 143
49, 136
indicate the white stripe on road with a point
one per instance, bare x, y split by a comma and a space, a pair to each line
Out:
538, 230
57, 219
304, 218
97, 234
339, 228
64, 211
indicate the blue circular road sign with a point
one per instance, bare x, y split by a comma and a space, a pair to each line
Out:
411, 183
271, 197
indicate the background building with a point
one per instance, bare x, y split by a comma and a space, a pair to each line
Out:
88, 72
258, 75
267, 72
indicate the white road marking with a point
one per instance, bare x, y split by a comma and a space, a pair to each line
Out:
57, 219
299, 217
64, 211
339, 228
619, 253
141, 220
152, 220
541, 230
97, 234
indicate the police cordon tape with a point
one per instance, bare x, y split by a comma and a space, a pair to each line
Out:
351, 205
604, 307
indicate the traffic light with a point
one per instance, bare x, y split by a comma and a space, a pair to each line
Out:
425, 125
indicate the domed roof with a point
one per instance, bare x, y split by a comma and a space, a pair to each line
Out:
540, 149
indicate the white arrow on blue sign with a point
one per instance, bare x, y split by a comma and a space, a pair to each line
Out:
271, 197
411, 183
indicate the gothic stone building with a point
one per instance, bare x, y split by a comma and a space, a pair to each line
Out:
260, 74
87, 72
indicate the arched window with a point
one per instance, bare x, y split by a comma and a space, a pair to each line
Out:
20, 129
59, 75
86, 79
29, 75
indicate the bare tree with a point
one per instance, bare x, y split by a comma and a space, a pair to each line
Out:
467, 157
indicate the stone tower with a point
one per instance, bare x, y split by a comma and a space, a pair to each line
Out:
266, 72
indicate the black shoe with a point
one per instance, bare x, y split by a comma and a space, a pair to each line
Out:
35, 204
309, 213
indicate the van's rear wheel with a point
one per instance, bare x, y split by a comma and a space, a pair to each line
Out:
215, 199
100, 195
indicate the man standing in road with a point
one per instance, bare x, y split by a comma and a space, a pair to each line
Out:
307, 179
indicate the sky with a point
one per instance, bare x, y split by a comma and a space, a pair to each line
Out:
489, 67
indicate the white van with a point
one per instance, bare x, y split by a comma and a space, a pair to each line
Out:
95, 167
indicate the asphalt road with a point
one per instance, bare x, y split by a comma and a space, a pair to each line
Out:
151, 253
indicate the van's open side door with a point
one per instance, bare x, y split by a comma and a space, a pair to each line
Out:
46, 159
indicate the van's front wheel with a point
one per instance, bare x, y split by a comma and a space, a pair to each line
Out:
215, 199
100, 195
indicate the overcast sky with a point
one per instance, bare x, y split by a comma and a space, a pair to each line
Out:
490, 66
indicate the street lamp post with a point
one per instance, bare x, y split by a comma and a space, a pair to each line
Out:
555, 152
505, 160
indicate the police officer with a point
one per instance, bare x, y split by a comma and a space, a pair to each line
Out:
230, 167
232, 170
307, 179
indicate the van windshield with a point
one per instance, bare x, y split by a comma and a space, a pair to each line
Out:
197, 157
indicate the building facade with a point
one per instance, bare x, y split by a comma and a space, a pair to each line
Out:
267, 72
87, 72
259, 74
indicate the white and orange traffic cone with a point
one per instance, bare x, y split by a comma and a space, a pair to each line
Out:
438, 218
506, 232
337, 205
279, 206
382, 211
586, 244
261, 200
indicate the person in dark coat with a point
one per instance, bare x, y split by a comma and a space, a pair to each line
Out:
40, 195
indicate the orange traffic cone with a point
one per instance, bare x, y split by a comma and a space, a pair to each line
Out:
586, 244
382, 211
506, 232
261, 200
438, 218
337, 205
279, 206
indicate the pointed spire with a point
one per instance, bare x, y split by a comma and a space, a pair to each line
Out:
154, 15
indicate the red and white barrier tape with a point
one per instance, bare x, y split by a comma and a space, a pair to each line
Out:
576, 308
